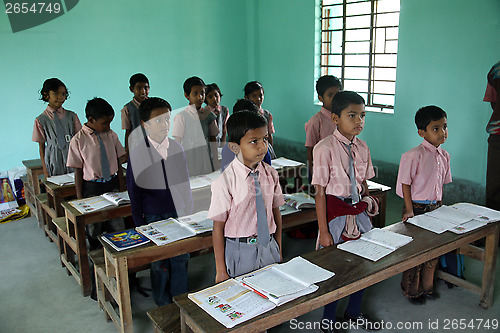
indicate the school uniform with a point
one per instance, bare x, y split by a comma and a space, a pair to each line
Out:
158, 187
234, 202
84, 153
228, 156
493, 129
319, 127
56, 128
222, 117
426, 169
194, 128
130, 115
345, 221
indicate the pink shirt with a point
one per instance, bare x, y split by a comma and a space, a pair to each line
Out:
270, 125
426, 168
233, 198
126, 124
39, 132
161, 147
331, 164
84, 152
319, 127
490, 94
179, 125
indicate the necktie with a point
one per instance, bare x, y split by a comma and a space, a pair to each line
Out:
352, 176
104, 158
61, 137
262, 226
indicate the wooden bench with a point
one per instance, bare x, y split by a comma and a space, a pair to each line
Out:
47, 215
56, 194
40, 200
67, 247
166, 319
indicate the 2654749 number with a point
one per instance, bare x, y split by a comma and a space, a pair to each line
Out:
35, 8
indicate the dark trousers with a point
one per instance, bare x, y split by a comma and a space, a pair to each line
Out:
420, 279
169, 277
493, 173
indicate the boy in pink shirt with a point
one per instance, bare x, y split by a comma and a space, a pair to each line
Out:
321, 125
342, 164
423, 171
245, 202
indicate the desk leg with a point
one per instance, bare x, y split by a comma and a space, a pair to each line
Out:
124, 295
83, 260
490, 260
184, 326
57, 205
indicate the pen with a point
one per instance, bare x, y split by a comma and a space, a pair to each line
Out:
255, 291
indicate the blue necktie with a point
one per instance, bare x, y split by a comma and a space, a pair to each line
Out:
262, 226
104, 158
352, 176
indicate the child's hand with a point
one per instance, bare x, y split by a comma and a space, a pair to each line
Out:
407, 215
325, 239
221, 276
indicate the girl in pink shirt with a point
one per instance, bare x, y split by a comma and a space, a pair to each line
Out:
54, 128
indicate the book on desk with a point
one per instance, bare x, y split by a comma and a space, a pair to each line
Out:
127, 239
237, 300
102, 201
171, 230
61, 180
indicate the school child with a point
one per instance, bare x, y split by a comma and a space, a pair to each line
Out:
342, 164
54, 128
158, 187
195, 129
245, 202
139, 86
254, 91
321, 125
423, 171
227, 154
94, 153
212, 99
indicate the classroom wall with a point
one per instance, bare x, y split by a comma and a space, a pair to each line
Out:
98, 45
446, 48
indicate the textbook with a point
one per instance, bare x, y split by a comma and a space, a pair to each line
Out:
459, 218
237, 300
299, 200
122, 240
375, 244
281, 162
61, 180
201, 181
170, 230
102, 201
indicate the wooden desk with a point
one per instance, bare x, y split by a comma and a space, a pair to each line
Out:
34, 169
353, 273
75, 226
112, 279
56, 194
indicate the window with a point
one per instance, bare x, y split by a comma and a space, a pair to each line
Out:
359, 45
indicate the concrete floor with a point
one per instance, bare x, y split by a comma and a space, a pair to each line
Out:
36, 294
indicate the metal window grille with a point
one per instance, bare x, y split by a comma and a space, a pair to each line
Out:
359, 44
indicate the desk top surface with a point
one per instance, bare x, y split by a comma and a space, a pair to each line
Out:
33, 164
352, 273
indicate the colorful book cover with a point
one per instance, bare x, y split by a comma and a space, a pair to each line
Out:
122, 240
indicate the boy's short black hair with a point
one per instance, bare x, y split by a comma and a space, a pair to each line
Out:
245, 104
211, 87
241, 122
98, 108
51, 84
191, 82
139, 77
149, 105
427, 114
343, 99
325, 82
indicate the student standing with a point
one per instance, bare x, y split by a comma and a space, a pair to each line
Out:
423, 171
342, 164
321, 125
139, 86
54, 128
158, 186
212, 99
254, 91
245, 202
196, 130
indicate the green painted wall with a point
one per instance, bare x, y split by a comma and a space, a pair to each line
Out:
446, 48
98, 45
